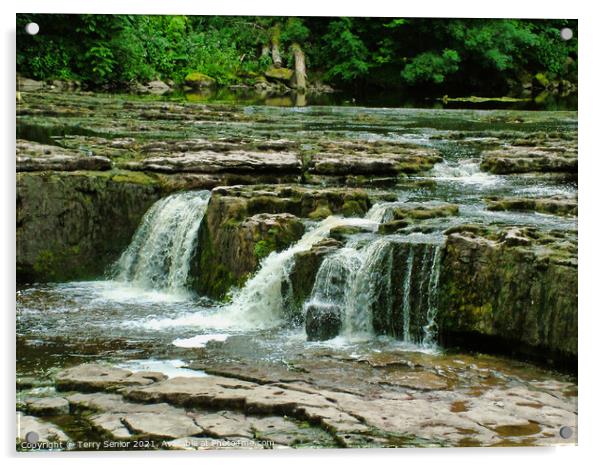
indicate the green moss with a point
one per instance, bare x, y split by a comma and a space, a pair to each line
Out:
542, 79
45, 263
341, 233
425, 212
263, 248
280, 74
270, 205
197, 79
278, 239
320, 212
59, 265
352, 208
134, 177
392, 226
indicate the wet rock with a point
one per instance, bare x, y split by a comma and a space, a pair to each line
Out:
244, 224
417, 211
24, 383
277, 232
168, 425
32, 156
72, 225
225, 424
392, 226
513, 301
231, 246
521, 159
91, 377
156, 87
95, 377
224, 393
111, 425
297, 288
282, 431
198, 80
145, 377
322, 321
555, 205
224, 145
122, 420
515, 237
217, 162
51, 406
279, 74
29, 85
46, 432
406, 160
419, 380
488, 416
343, 232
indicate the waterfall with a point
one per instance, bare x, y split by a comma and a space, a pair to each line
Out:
382, 212
464, 171
374, 295
407, 283
160, 252
430, 329
371, 282
260, 302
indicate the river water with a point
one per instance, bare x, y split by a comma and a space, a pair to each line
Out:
141, 314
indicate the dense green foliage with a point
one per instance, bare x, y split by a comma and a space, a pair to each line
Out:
461, 55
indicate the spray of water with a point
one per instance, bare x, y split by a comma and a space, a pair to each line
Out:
159, 255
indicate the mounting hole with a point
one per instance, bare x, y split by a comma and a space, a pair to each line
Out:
566, 33
566, 432
32, 28
32, 437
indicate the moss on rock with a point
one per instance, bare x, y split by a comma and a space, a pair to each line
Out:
515, 286
198, 80
72, 225
279, 74
298, 287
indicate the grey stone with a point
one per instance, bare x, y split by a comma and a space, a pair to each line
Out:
51, 406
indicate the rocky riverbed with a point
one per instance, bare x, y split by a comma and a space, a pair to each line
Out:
217, 276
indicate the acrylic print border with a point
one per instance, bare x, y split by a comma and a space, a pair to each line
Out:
581, 440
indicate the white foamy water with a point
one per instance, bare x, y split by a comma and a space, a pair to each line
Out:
199, 341
124, 292
358, 283
169, 367
259, 304
159, 256
464, 172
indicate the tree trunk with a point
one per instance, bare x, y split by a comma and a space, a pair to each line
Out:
276, 58
265, 50
300, 76
275, 39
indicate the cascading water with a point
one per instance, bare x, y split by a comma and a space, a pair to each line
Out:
159, 255
463, 171
364, 285
260, 302
430, 329
407, 284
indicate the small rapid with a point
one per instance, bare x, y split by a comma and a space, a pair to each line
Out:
386, 287
464, 171
260, 303
159, 255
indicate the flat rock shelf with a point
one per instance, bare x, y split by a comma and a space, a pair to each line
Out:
202, 276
